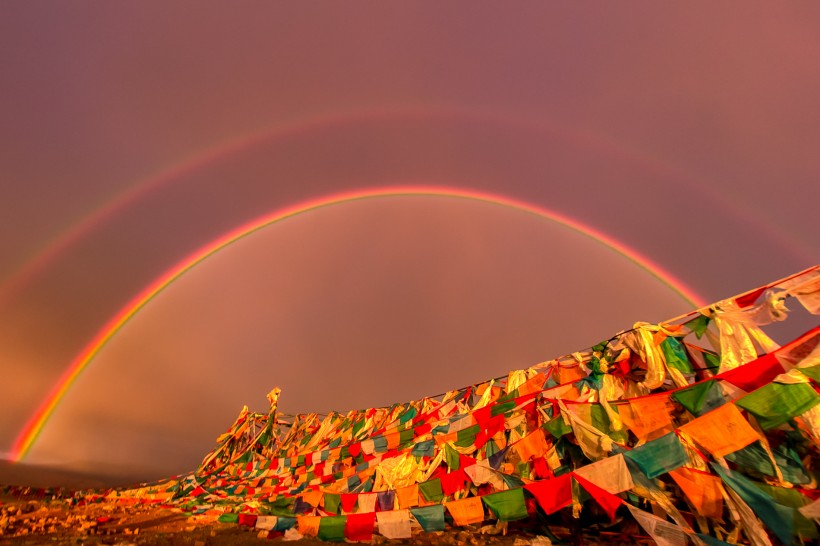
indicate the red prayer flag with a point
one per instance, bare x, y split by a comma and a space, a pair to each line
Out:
453, 481
360, 526
248, 520
754, 374
607, 500
552, 494
349, 501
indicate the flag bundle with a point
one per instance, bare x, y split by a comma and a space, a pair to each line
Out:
700, 428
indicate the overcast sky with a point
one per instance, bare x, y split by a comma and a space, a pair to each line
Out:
134, 134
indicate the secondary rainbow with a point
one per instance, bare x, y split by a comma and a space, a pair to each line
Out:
35, 424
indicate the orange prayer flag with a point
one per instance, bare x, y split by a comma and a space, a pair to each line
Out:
531, 446
649, 417
533, 384
722, 431
308, 525
702, 489
408, 496
393, 440
466, 511
569, 374
313, 497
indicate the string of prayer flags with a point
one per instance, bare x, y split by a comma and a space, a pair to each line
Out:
601, 427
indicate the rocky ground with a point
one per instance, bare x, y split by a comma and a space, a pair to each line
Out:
27, 518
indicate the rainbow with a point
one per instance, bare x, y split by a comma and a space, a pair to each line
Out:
35, 424
140, 189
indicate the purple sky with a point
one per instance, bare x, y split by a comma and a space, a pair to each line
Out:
687, 132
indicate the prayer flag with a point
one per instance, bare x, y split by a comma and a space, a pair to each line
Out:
332, 528
721, 431
659, 456
431, 518
466, 511
507, 505
552, 494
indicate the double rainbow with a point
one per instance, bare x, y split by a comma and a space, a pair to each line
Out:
36, 423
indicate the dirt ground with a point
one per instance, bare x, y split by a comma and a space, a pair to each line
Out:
26, 519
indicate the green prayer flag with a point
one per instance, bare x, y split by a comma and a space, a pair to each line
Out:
332, 528
284, 523
513, 394
812, 372
776, 403
698, 325
408, 415
332, 502
753, 457
793, 499
498, 409
507, 505
675, 355
405, 436
431, 518
431, 490
358, 426
379, 444
557, 426
512, 481
756, 461
700, 398
451, 457
424, 449
711, 360
228, 518
441, 429
659, 456
600, 420
777, 517
466, 436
